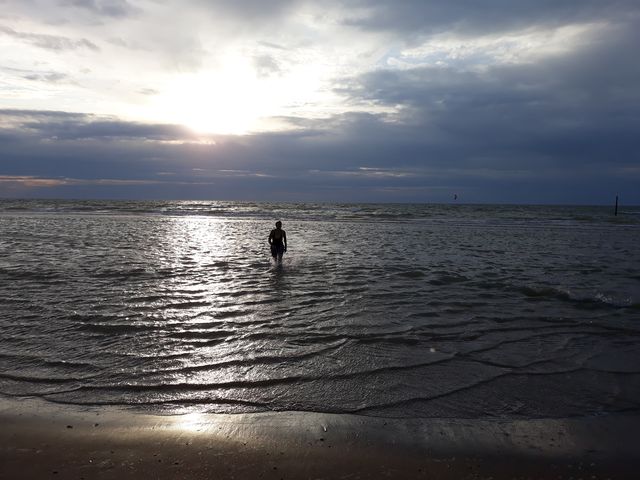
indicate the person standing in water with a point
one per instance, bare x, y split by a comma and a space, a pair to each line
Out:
278, 242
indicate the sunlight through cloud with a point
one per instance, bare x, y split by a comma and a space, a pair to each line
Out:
234, 99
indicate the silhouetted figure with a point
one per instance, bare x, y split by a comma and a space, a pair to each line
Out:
278, 242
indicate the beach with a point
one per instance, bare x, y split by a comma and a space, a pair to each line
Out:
319, 240
40, 440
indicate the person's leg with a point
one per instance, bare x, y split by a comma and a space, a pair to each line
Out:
279, 251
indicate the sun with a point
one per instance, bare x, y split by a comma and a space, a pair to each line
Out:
224, 102
234, 99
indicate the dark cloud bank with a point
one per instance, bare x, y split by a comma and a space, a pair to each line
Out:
346, 158
562, 129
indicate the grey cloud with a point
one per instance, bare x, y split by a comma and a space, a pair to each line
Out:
78, 126
107, 129
274, 46
577, 108
20, 115
108, 8
266, 65
50, 77
50, 42
37, 75
469, 17
250, 9
129, 45
350, 157
148, 91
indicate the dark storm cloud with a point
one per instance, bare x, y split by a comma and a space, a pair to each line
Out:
49, 42
470, 17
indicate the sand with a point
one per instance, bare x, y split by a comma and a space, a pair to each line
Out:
43, 440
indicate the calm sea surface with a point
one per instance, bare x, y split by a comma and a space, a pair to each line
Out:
387, 310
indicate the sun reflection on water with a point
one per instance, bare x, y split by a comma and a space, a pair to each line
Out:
214, 300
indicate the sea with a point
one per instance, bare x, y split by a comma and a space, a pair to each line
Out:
387, 310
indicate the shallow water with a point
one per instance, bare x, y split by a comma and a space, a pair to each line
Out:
389, 310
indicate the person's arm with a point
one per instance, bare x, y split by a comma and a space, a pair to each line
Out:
271, 237
284, 239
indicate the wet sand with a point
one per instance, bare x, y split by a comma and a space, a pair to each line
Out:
42, 440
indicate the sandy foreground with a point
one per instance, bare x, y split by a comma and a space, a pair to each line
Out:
43, 440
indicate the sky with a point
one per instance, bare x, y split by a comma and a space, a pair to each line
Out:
499, 101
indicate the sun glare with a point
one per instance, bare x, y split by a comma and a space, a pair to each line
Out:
234, 99
226, 102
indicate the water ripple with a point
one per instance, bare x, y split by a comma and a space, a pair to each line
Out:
398, 310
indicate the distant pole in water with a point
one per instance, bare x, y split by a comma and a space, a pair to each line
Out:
615, 213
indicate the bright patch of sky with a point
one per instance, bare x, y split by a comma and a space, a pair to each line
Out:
167, 64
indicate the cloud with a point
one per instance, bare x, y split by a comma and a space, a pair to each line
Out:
249, 10
531, 101
78, 126
471, 18
30, 181
45, 76
50, 42
148, 91
49, 77
266, 65
352, 158
108, 8
39, 182
548, 110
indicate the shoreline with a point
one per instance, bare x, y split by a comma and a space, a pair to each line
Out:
43, 440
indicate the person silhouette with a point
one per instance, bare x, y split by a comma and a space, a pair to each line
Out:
278, 242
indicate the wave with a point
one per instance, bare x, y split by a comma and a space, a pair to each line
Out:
29, 379
23, 272
480, 215
113, 328
590, 300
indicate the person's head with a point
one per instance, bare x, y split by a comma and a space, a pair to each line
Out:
278, 224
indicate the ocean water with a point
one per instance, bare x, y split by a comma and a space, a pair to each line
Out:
466, 311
